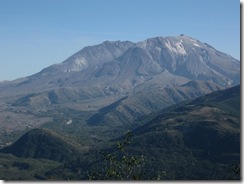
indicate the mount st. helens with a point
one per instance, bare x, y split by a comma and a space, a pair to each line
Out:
121, 66
115, 81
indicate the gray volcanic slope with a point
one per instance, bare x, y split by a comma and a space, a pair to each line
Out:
142, 77
125, 65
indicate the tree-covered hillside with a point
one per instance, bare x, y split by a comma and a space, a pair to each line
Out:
198, 140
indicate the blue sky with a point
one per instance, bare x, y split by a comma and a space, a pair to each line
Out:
37, 33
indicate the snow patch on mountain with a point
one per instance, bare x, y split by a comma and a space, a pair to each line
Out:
180, 48
158, 49
195, 43
81, 62
69, 122
169, 46
77, 65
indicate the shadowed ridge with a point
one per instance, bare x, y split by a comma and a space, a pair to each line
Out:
43, 143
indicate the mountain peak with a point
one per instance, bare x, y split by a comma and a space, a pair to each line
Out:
126, 64
92, 55
117, 42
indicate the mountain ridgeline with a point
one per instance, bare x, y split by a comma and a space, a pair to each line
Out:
154, 73
179, 96
118, 67
43, 143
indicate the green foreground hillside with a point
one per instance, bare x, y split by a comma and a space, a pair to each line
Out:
197, 140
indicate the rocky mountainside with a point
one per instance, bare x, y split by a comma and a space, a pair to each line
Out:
132, 107
65, 73
116, 67
127, 79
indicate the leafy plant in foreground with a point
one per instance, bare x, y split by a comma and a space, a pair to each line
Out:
122, 166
